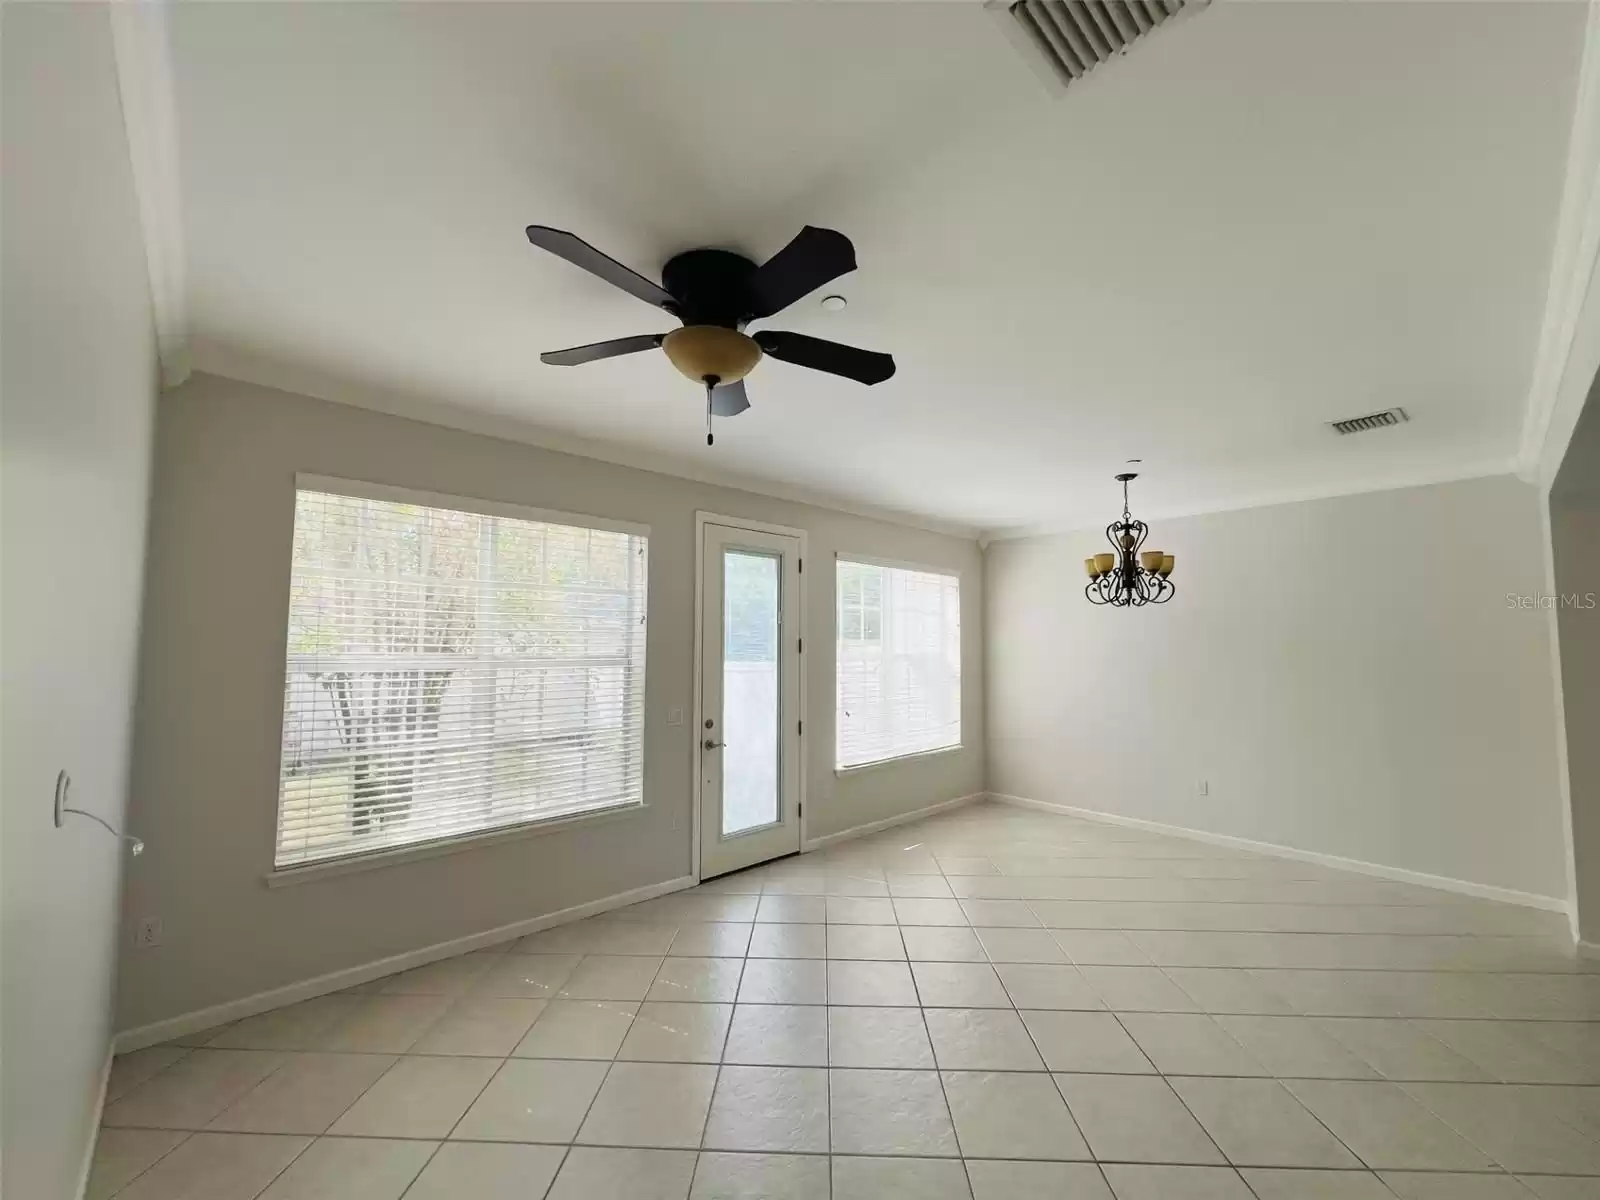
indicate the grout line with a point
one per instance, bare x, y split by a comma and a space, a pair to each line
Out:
310, 1142
933, 1052
1460, 1133
572, 1143
1380, 1079
1494, 1172
1249, 1187
128, 1183
478, 1095
716, 1082
1452, 972
435, 1154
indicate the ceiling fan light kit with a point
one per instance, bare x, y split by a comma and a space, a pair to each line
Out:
702, 352
1130, 576
715, 294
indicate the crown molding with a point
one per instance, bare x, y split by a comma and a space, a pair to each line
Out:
243, 367
1484, 469
1549, 415
141, 46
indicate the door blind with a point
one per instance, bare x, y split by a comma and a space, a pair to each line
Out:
898, 662
451, 672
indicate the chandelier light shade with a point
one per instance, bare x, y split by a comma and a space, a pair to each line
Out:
1130, 576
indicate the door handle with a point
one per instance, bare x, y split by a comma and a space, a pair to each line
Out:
708, 744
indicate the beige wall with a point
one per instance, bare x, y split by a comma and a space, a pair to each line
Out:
1345, 673
211, 693
1575, 547
1575, 534
78, 386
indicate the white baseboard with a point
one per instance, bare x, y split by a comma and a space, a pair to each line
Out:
916, 814
1482, 891
337, 981
94, 1126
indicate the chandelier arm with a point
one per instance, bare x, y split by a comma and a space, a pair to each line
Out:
1142, 531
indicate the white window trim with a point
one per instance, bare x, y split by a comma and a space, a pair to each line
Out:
895, 760
395, 856
362, 490
477, 839
900, 564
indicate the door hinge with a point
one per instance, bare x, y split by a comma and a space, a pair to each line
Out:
800, 645
800, 564
801, 730
801, 811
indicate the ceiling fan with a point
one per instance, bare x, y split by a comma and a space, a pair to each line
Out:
716, 293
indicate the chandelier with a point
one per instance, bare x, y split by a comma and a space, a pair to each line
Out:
1130, 577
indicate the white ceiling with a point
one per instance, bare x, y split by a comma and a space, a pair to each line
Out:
1265, 217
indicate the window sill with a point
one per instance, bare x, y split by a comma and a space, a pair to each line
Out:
395, 856
898, 760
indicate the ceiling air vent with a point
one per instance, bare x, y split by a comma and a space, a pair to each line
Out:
1377, 420
1076, 36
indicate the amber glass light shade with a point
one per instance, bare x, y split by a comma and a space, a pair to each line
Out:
1092, 568
1150, 560
1105, 562
699, 351
1167, 563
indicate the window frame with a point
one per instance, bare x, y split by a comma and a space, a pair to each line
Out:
383, 856
870, 560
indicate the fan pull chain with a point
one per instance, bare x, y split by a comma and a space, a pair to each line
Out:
711, 383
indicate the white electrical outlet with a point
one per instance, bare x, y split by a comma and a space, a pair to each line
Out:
674, 716
148, 933
1204, 787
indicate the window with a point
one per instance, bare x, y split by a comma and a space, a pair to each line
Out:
898, 661
453, 671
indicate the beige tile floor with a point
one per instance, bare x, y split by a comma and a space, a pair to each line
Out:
994, 1004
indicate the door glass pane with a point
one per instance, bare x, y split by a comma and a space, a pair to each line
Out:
749, 690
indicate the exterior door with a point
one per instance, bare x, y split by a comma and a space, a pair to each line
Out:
748, 715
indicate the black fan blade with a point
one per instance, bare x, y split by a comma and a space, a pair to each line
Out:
729, 400
814, 257
864, 366
578, 355
580, 254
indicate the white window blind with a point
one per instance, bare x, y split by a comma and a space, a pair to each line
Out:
454, 671
899, 662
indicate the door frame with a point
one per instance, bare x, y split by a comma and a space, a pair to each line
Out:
701, 520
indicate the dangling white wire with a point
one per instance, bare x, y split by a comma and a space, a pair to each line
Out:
63, 783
